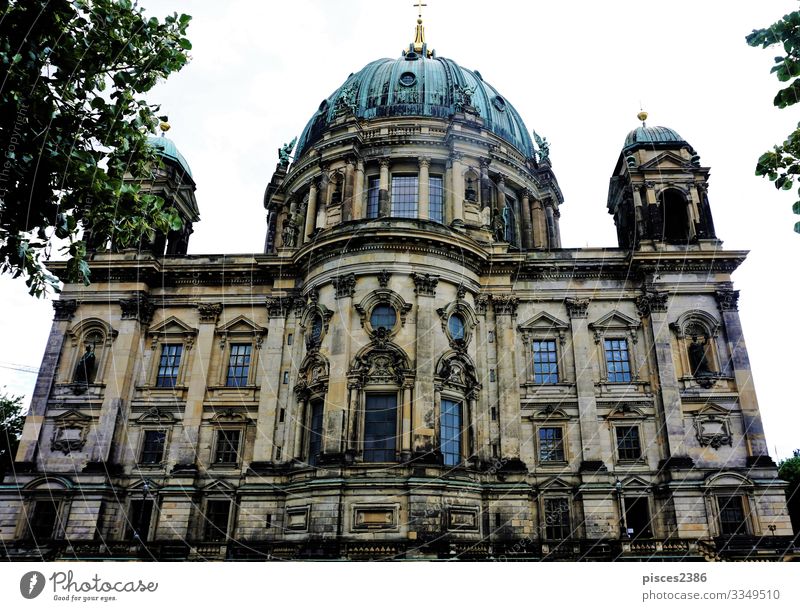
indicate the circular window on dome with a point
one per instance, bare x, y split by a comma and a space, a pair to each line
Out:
499, 103
456, 326
407, 79
383, 315
323, 106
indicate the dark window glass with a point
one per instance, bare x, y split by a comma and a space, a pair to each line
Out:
436, 198
405, 193
373, 191
383, 315
238, 365
316, 328
617, 361
168, 365
545, 362
44, 519
731, 515
227, 450
153, 447
139, 516
551, 444
315, 433
628, 445
380, 428
450, 431
637, 517
216, 527
456, 326
556, 519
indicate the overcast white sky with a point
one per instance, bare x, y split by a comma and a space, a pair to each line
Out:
576, 71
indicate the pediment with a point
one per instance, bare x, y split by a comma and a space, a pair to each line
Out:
219, 486
634, 482
727, 480
713, 411
241, 324
665, 161
543, 322
550, 413
615, 320
556, 484
172, 326
229, 416
156, 416
72, 415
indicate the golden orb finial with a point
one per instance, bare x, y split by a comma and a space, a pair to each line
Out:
164, 126
642, 116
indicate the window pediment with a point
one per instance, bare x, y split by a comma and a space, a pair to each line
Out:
156, 416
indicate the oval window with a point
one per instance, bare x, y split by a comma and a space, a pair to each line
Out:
456, 327
407, 79
383, 315
316, 329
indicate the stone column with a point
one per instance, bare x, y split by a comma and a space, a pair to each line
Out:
271, 374
551, 224
384, 205
501, 194
527, 221
405, 434
592, 459
705, 211
539, 225
29, 442
654, 218
457, 172
641, 226
358, 194
347, 192
424, 409
758, 452
483, 433
311, 212
653, 305
424, 211
693, 211
185, 453
336, 400
323, 200
556, 225
505, 312
486, 183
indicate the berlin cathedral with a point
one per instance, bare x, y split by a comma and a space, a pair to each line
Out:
414, 368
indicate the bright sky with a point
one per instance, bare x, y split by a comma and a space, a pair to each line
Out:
576, 71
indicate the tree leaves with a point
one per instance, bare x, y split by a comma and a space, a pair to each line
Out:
74, 124
782, 165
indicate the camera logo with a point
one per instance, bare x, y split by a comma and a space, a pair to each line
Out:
31, 584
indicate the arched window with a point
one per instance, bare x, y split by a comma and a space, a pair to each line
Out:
696, 332
456, 393
674, 216
456, 326
383, 316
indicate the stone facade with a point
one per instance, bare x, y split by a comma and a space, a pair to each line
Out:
414, 368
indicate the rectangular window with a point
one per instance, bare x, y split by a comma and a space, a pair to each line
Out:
637, 517
556, 519
380, 428
373, 192
44, 520
315, 433
617, 360
405, 196
450, 432
629, 446
238, 365
168, 365
551, 444
153, 447
731, 515
545, 362
217, 514
227, 450
436, 198
139, 517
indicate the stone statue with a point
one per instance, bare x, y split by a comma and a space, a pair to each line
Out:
508, 225
285, 152
698, 360
347, 99
462, 97
486, 216
289, 232
542, 146
499, 227
84, 370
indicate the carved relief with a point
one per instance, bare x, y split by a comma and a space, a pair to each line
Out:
425, 284
712, 427
71, 431
728, 300
653, 301
345, 285
64, 309
383, 278
505, 305
139, 307
577, 308
209, 312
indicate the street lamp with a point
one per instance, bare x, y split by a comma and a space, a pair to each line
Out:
623, 531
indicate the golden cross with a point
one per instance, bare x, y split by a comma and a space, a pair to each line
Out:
419, 6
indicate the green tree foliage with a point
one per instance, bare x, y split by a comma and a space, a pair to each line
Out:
11, 420
782, 164
789, 470
73, 122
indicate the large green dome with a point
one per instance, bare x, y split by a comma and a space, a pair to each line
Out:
419, 86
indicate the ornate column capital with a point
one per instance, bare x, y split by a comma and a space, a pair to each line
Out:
209, 312
652, 301
577, 308
64, 309
278, 307
728, 300
424, 162
455, 156
485, 162
482, 303
138, 308
384, 162
505, 305
425, 284
345, 285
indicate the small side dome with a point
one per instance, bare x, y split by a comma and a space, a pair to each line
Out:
167, 149
654, 137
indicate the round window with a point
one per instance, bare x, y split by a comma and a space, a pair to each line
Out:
407, 79
383, 315
456, 326
316, 328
